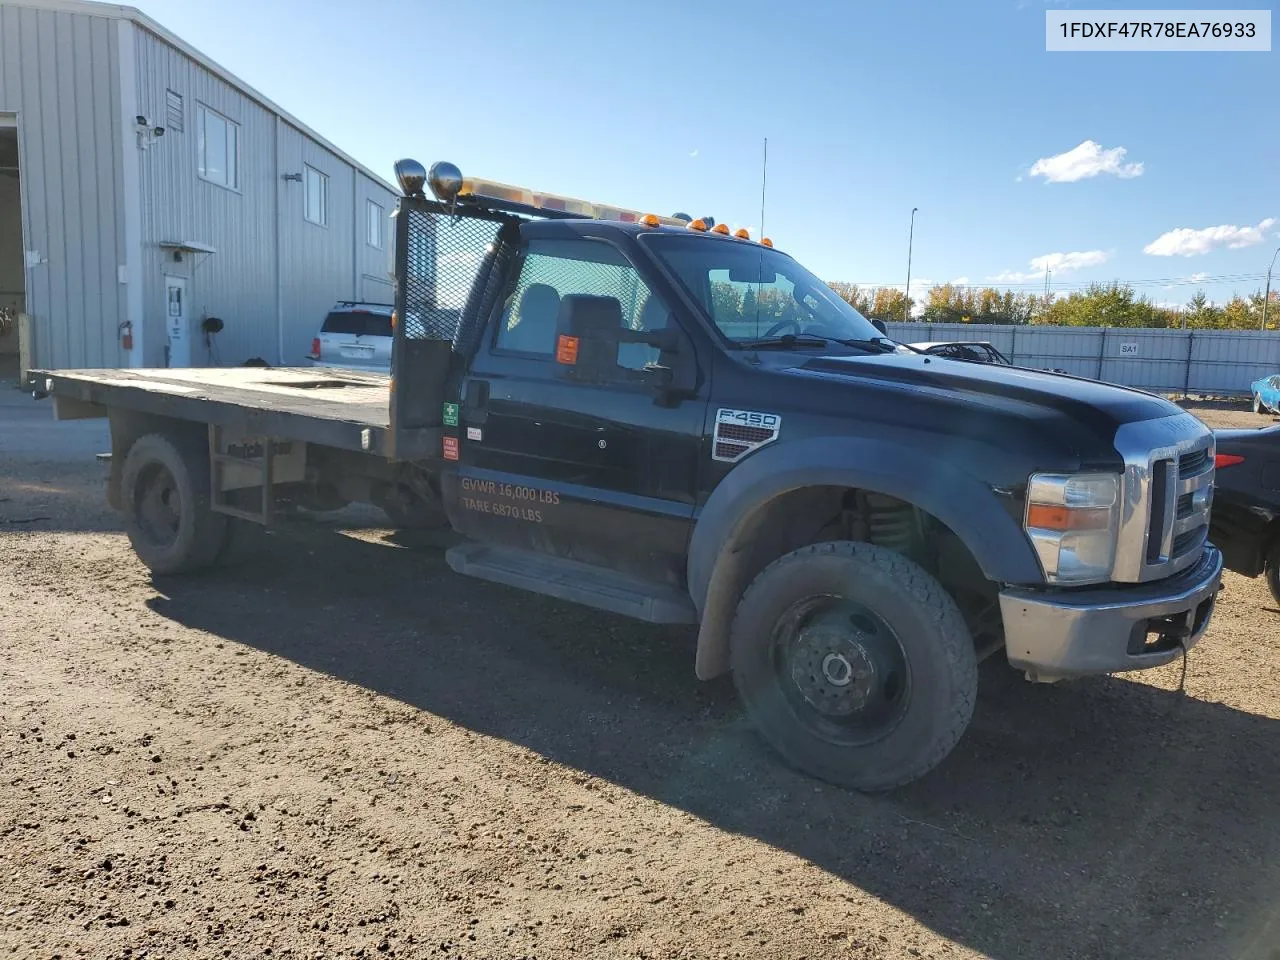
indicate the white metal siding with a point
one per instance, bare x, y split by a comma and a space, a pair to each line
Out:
316, 260
60, 73
274, 275
237, 282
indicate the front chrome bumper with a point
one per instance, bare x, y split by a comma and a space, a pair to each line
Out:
1078, 633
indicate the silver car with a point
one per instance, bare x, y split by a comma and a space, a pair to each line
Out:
354, 336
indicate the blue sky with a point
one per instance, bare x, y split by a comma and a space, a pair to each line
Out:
870, 109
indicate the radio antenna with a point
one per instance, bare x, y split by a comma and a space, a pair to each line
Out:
764, 177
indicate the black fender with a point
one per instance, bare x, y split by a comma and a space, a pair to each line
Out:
958, 499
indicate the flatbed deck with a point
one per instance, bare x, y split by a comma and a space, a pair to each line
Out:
337, 408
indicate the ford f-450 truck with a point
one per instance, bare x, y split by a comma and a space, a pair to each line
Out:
666, 420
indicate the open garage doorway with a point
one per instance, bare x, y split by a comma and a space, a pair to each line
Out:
13, 298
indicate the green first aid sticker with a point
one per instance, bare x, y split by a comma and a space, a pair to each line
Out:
450, 414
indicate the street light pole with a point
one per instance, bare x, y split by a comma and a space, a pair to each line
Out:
911, 236
1267, 297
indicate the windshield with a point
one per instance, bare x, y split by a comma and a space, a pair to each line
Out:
753, 292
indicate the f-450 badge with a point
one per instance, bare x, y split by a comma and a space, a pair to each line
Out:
739, 432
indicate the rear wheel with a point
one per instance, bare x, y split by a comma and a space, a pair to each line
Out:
855, 664
167, 514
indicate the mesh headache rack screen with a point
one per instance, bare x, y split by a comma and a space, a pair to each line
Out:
442, 256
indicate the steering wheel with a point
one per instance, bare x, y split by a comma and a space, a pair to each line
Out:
782, 325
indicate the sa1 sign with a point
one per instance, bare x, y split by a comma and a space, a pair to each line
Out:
1129, 348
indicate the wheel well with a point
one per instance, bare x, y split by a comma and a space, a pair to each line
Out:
807, 515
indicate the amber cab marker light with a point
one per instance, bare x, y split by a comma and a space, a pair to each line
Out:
649, 220
721, 228
742, 233
699, 225
766, 242
1227, 460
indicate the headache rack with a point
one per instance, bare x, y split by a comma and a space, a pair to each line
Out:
448, 267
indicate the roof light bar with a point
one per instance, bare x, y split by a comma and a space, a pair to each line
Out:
480, 191
450, 187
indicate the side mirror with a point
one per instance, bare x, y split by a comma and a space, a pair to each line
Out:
589, 333
879, 325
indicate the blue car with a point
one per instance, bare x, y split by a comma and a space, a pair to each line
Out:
1266, 394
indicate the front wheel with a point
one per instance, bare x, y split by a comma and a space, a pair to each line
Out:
855, 664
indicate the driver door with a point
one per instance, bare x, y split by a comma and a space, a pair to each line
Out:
596, 472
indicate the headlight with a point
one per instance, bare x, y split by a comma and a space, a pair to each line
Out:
1072, 521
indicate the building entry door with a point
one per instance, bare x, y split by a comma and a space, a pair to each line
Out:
176, 324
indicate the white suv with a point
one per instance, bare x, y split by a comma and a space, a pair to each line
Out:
354, 336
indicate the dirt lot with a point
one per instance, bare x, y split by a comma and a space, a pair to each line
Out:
339, 748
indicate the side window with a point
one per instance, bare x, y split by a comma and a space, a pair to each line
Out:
217, 148
554, 269
315, 207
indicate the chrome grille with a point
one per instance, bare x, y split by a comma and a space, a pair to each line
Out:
1168, 490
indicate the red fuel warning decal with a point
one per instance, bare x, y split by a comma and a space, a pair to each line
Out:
451, 448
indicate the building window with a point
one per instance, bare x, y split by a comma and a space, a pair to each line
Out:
219, 149
376, 218
316, 208
173, 115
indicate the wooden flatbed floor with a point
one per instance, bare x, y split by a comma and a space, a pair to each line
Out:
338, 408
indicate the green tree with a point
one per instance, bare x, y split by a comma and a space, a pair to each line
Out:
1240, 314
851, 294
889, 305
725, 301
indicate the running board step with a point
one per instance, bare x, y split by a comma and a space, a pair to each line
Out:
570, 580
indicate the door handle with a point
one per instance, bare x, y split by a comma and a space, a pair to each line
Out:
476, 401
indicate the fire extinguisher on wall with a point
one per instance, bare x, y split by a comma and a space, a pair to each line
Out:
126, 335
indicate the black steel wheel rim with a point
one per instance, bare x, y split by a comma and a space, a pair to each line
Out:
158, 505
842, 670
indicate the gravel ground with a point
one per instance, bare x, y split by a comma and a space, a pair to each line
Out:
340, 748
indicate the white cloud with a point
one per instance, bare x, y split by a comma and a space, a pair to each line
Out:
1087, 160
1055, 263
1067, 262
1185, 242
1015, 276
1197, 277
961, 281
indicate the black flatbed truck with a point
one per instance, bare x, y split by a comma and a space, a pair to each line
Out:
685, 426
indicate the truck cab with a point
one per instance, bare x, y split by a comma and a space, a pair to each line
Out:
663, 419
686, 425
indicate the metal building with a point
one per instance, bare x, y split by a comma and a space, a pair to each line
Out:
144, 189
